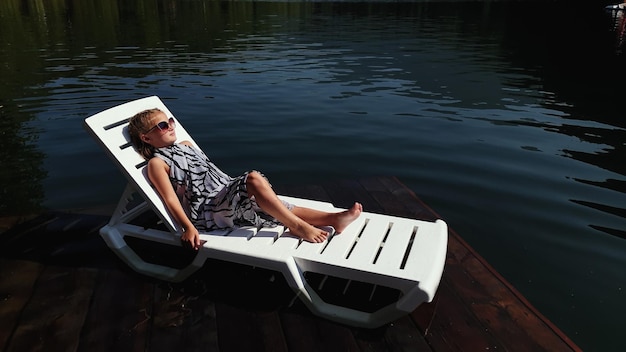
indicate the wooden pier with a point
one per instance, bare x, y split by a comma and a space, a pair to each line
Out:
62, 289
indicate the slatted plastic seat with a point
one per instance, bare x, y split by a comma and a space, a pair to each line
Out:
376, 253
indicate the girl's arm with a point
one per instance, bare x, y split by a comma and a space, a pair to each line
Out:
158, 173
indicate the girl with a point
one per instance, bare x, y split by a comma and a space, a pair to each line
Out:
204, 198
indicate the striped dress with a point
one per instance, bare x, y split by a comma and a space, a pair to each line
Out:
211, 198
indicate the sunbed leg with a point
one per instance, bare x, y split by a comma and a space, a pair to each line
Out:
122, 214
127, 196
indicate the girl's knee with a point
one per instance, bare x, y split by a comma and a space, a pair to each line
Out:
254, 176
255, 180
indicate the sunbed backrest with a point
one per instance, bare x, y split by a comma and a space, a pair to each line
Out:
111, 130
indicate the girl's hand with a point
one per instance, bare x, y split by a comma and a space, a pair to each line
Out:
191, 238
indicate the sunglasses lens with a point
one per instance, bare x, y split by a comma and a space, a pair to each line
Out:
163, 125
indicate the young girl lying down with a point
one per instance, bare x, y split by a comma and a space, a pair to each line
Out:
202, 197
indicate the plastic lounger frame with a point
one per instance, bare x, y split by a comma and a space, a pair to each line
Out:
403, 254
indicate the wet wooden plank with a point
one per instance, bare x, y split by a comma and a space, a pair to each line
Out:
238, 330
344, 193
313, 192
300, 331
388, 202
200, 329
305, 332
55, 314
371, 340
424, 314
416, 208
270, 329
335, 336
120, 314
403, 335
182, 320
497, 306
455, 328
489, 312
17, 283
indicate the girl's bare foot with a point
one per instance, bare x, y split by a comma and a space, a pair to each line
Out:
346, 217
309, 233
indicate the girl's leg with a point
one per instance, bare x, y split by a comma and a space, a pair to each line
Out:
300, 221
339, 221
268, 201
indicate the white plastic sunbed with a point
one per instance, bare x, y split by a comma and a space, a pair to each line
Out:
375, 252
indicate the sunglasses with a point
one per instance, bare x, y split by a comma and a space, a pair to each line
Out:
163, 125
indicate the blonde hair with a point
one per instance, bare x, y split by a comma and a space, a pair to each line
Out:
138, 125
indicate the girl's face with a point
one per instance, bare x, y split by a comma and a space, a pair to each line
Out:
161, 132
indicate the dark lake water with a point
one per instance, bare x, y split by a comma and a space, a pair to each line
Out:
507, 118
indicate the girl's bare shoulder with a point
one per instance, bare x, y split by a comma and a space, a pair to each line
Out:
154, 161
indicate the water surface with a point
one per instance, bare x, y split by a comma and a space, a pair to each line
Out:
505, 117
